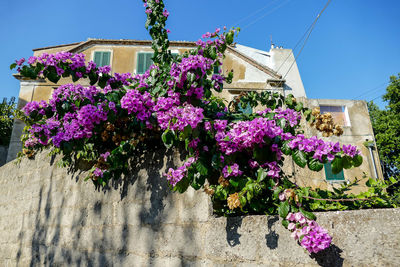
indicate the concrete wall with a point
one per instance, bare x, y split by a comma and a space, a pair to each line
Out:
51, 217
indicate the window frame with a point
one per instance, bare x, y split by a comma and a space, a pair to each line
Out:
137, 60
110, 50
344, 110
341, 173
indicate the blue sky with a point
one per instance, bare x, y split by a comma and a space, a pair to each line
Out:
351, 53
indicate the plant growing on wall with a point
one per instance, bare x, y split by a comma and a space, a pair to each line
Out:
7, 112
235, 157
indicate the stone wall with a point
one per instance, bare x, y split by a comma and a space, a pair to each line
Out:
54, 218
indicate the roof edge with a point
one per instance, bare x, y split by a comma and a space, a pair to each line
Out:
55, 46
256, 64
90, 42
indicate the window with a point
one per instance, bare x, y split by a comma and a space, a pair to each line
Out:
247, 110
216, 70
339, 114
175, 55
102, 58
143, 62
330, 176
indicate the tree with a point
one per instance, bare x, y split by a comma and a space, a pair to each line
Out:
386, 125
7, 111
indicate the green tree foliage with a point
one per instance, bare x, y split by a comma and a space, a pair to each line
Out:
386, 125
7, 111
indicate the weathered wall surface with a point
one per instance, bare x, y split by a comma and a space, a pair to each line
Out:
51, 217
3, 155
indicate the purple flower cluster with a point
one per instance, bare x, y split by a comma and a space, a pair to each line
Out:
321, 148
72, 92
174, 176
35, 106
165, 103
232, 170
246, 134
310, 234
177, 118
196, 65
140, 104
292, 116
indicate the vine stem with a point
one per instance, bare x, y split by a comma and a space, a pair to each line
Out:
338, 199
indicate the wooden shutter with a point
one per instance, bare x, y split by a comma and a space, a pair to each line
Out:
106, 58
149, 62
247, 110
330, 176
143, 62
97, 58
216, 70
102, 58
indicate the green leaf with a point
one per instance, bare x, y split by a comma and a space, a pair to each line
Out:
234, 183
201, 168
347, 162
182, 185
93, 77
357, 160
283, 209
168, 137
314, 164
300, 158
285, 223
229, 38
337, 165
299, 106
261, 174
13, 66
286, 149
307, 214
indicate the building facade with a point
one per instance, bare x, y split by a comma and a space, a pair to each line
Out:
254, 70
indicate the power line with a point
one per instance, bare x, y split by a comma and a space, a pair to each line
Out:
291, 52
308, 36
266, 14
254, 13
371, 90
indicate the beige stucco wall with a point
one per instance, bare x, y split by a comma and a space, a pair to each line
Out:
357, 133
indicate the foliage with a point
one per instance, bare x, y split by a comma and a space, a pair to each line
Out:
386, 125
235, 157
7, 113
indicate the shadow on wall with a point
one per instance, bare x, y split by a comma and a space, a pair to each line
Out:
72, 223
138, 221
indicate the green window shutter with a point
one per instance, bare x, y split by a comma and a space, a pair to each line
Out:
106, 58
216, 69
143, 62
247, 110
97, 58
330, 176
149, 62
174, 55
102, 58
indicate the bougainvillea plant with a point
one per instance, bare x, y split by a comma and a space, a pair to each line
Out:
236, 158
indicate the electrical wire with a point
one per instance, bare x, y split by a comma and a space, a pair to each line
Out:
308, 36
373, 89
254, 13
266, 14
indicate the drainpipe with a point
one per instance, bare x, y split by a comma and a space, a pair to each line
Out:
370, 146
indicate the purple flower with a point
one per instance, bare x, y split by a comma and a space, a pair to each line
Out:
20, 62
232, 170
165, 13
